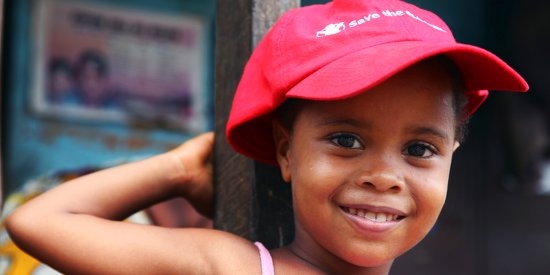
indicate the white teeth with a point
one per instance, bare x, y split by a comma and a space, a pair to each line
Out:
371, 216
381, 217
376, 217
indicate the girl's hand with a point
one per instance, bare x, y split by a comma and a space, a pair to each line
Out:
194, 158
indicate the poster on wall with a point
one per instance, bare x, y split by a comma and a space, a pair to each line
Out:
103, 63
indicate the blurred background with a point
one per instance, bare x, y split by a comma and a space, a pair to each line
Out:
87, 84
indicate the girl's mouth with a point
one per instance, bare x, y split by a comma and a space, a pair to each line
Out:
372, 216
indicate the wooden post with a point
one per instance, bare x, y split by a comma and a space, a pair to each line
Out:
250, 199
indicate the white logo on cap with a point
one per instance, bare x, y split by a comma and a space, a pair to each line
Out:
331, 29
336, 28
424, 21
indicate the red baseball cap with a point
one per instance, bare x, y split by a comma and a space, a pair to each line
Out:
343, 48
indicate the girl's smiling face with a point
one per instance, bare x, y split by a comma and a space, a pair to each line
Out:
369, 174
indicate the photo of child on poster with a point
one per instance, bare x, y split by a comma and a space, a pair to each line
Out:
100, 63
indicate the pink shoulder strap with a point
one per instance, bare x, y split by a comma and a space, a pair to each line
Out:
265, 260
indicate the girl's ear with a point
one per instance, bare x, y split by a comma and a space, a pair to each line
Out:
457, 144
281, 136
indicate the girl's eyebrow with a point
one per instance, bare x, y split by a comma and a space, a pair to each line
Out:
416, 130
427, 130
345, 121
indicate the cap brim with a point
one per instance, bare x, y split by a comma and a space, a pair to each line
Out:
362, 70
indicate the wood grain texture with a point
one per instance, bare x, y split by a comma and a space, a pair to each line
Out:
250, 198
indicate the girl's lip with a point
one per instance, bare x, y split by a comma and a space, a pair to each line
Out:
373, 219
375, 209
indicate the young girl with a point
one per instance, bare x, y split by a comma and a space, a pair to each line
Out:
360, 103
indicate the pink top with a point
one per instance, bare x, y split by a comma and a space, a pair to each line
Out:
265, 260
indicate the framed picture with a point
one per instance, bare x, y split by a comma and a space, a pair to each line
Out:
101, 62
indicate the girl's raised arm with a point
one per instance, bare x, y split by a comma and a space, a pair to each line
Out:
76, 227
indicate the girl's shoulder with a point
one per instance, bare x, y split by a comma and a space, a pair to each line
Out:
210, 251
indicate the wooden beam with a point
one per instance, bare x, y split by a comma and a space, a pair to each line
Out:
233, 181
247, 194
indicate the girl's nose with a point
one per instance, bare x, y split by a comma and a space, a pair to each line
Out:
381, 175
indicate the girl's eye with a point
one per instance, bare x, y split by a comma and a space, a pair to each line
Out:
346, 141
420, 150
